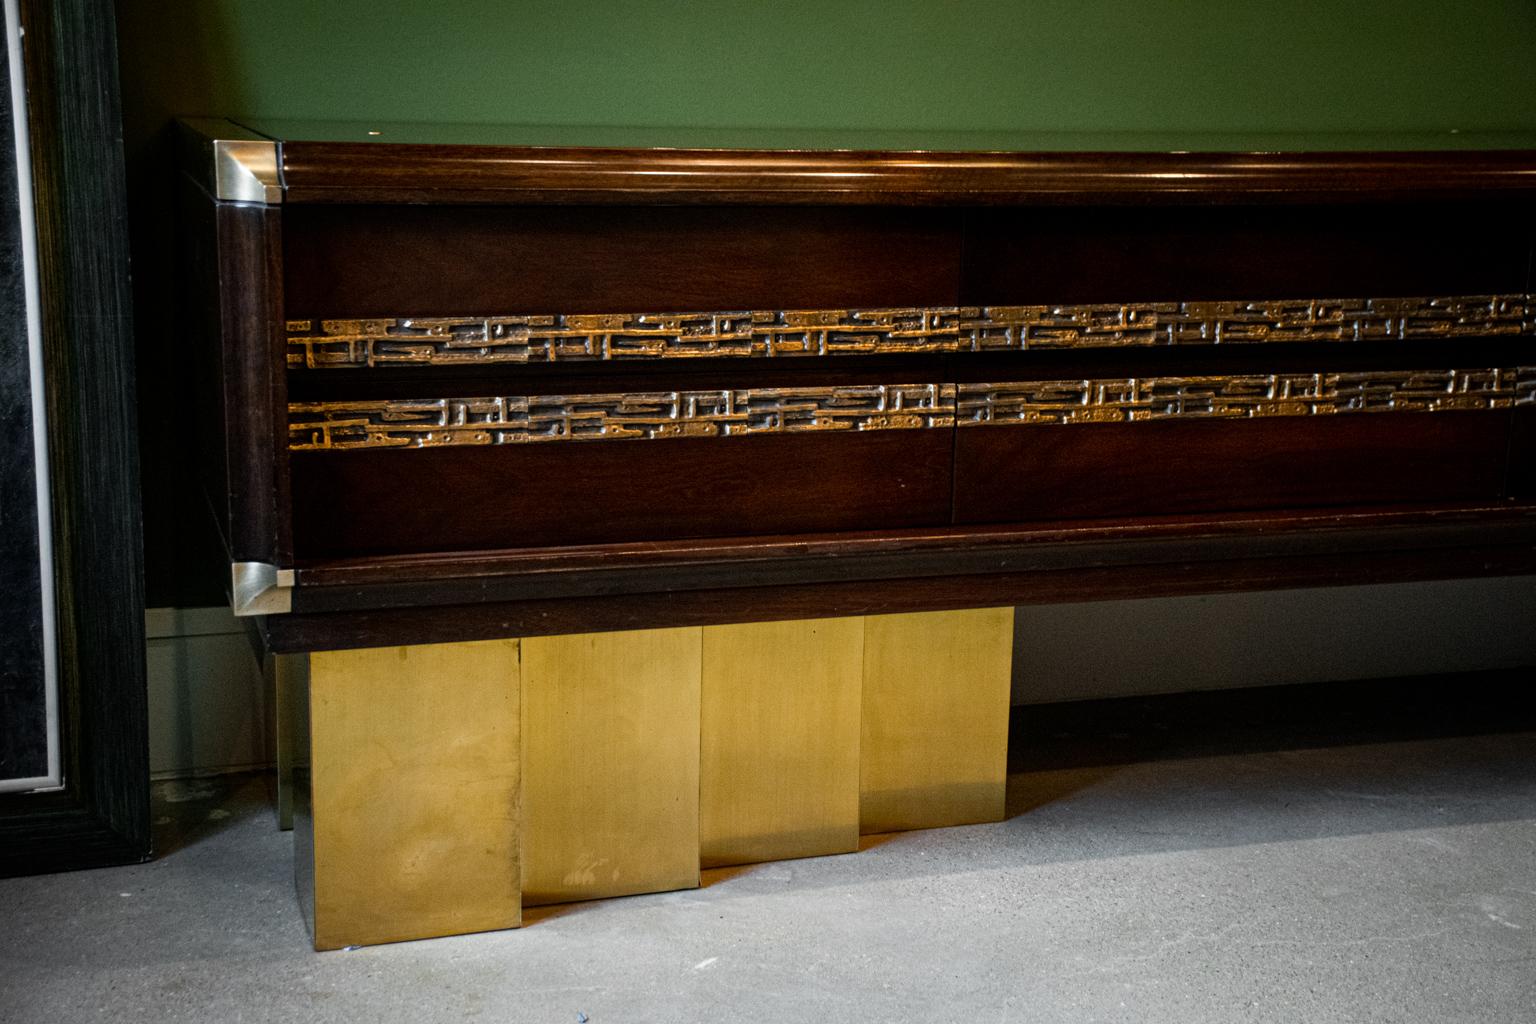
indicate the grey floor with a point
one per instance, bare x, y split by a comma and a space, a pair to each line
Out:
1228, 872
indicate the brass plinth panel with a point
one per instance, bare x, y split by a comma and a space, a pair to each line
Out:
414, 791
459, 340
934, 738
450, 785
779, 740
437, 422
611, 764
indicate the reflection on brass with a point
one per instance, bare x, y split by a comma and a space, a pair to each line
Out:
434, 422
779, 740
423, 423
414, 788
934, 744
610, 764
424, 341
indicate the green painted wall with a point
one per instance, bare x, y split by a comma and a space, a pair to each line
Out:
1148, 65
1292, 65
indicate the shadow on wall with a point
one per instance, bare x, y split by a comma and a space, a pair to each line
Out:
1172, 645
174, 59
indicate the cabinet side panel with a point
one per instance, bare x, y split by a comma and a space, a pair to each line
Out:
255, 389
200, 337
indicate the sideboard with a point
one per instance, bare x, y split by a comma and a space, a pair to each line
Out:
616, 502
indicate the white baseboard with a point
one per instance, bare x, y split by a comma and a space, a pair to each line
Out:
208, 704
173, 774
1225, 641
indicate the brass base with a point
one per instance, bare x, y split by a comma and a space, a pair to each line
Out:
935, 727
779, 774
409, 827
442, 788
610, 764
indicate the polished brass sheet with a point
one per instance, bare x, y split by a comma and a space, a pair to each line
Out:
414, 791
934, 738
453, 784
779, 759
610, 764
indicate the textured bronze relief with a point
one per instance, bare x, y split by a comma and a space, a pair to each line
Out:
428, 341
425, 423
1248, 396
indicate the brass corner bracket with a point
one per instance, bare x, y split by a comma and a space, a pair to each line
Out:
258, 588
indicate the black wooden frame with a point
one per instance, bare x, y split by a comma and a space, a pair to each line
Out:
101, 816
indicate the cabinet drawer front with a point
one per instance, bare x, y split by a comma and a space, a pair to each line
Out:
384, 501
1011, 473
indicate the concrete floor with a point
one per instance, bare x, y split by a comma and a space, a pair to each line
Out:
1181, 866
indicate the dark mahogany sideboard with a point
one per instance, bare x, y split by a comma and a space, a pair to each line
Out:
844, 381
474, 384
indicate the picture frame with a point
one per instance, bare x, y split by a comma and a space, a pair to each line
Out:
100, 813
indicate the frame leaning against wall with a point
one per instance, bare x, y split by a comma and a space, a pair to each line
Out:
101, 814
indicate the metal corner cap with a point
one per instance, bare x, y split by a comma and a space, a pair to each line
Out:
232, 162
259, 588
246, 171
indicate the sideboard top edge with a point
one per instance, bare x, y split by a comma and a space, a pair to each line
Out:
393, 134
335, 162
